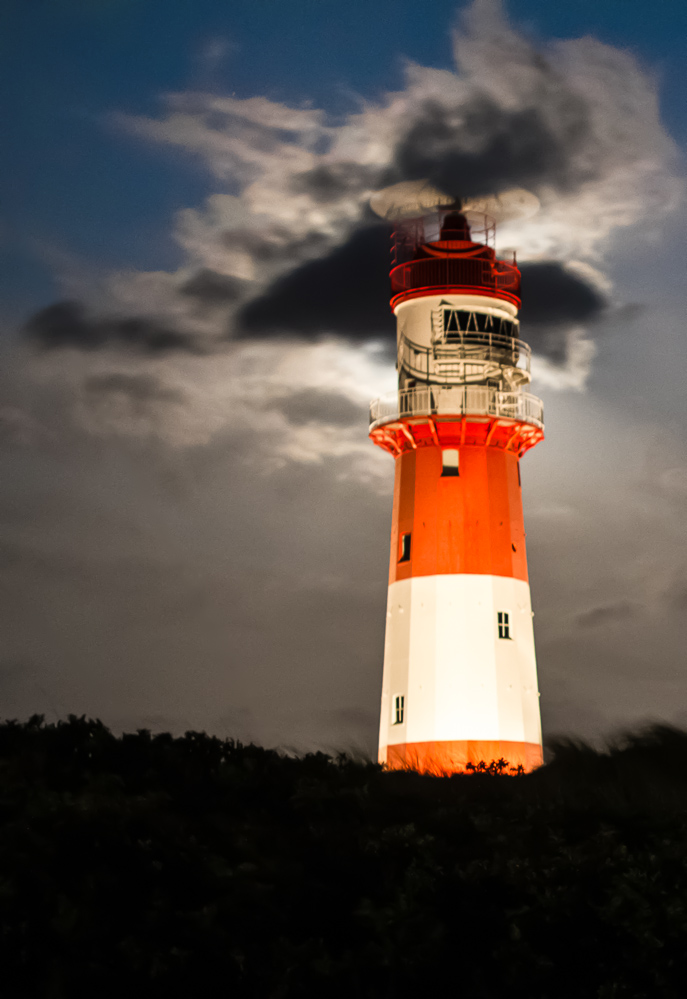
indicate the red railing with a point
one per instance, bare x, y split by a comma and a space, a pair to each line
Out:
491, 275
411, 233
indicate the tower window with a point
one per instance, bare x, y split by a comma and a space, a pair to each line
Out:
398, 709
451, 324
504, 624
519, 479
405, 548
457, 321
449, 462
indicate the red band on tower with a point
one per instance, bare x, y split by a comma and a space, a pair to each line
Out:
471, 522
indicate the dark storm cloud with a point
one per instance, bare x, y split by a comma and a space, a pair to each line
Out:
552, 294
555, 299
480, 147
342, 293
317, 406
66, 324
331, 181
213, 288
623, 610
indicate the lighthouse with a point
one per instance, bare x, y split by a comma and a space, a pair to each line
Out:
460, 678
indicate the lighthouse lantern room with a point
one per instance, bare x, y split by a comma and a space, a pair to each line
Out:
460, 679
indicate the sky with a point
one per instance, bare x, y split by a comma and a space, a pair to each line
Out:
194, 526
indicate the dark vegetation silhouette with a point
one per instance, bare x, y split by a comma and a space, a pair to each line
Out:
159, 866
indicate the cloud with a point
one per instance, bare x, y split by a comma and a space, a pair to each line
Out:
141, 388
560, 305
316, 406
329, 182
136, 404
66, 324
607, 614
287, 400
198, 486
212, 288
480, 147
578, 121
557, 119
284, 250
20, 428
345, 292
552, 295
235, 138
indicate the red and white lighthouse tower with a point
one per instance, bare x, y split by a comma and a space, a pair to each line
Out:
460, 678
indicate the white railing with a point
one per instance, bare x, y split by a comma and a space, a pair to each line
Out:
435, 400
479, 348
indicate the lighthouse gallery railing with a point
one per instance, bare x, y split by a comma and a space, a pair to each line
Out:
436, 400
421, 361
495, 274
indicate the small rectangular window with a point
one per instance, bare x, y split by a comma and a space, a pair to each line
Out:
449, 462
405, 548
519, 479
504, 624
398, 709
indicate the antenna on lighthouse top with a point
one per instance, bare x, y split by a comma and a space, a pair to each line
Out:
509, 206
408, 200
414, 198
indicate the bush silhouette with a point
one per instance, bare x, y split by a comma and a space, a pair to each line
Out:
147, 864
495, 768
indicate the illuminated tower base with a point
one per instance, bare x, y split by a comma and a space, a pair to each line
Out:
460, 679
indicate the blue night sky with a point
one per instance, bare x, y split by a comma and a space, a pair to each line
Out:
193, 526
